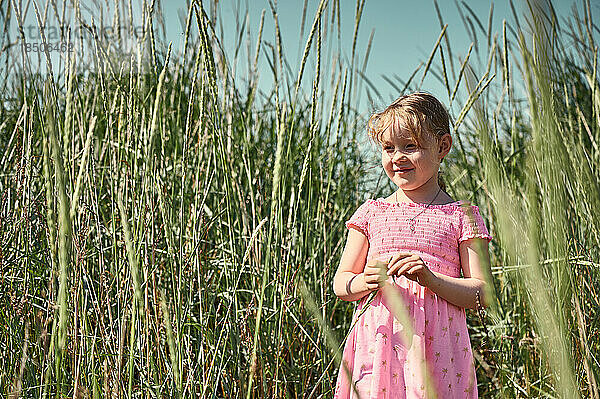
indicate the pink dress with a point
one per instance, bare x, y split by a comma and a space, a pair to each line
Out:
383, 362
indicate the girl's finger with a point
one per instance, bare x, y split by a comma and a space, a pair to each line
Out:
376, 277
375, 270
399, 261
411, 258
397, 256
393, 269
416, 268
407, 267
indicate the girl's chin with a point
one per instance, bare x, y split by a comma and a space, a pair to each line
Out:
402, 178
404, 184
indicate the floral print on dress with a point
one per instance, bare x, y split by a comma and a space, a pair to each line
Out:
384, 363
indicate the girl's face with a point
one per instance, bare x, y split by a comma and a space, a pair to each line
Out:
409, 165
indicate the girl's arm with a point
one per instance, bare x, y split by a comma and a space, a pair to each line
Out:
353, 279
462, 291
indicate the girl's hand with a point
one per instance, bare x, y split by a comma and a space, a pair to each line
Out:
375, 274
412, 266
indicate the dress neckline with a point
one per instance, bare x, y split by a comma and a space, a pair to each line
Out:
418, 204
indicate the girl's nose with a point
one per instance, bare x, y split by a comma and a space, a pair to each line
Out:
398, 155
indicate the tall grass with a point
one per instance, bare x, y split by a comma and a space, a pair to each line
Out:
170, 227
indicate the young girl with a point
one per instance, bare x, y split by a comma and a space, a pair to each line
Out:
413, 245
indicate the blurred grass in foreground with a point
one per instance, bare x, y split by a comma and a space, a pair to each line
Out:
161, 212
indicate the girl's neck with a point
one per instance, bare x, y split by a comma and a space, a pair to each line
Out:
423, 195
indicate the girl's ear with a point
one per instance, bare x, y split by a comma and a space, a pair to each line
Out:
445, 144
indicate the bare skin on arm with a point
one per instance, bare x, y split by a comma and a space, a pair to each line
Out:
473, 265
354, 278
462, 291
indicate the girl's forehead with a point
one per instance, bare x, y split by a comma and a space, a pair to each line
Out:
396, 133
397, 130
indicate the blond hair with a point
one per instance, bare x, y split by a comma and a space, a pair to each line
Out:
420, 113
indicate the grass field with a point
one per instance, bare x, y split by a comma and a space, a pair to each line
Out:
169, 228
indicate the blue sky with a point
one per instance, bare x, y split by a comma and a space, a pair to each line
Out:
404, 33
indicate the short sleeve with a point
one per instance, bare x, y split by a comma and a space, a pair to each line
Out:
472, 224
360, 219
